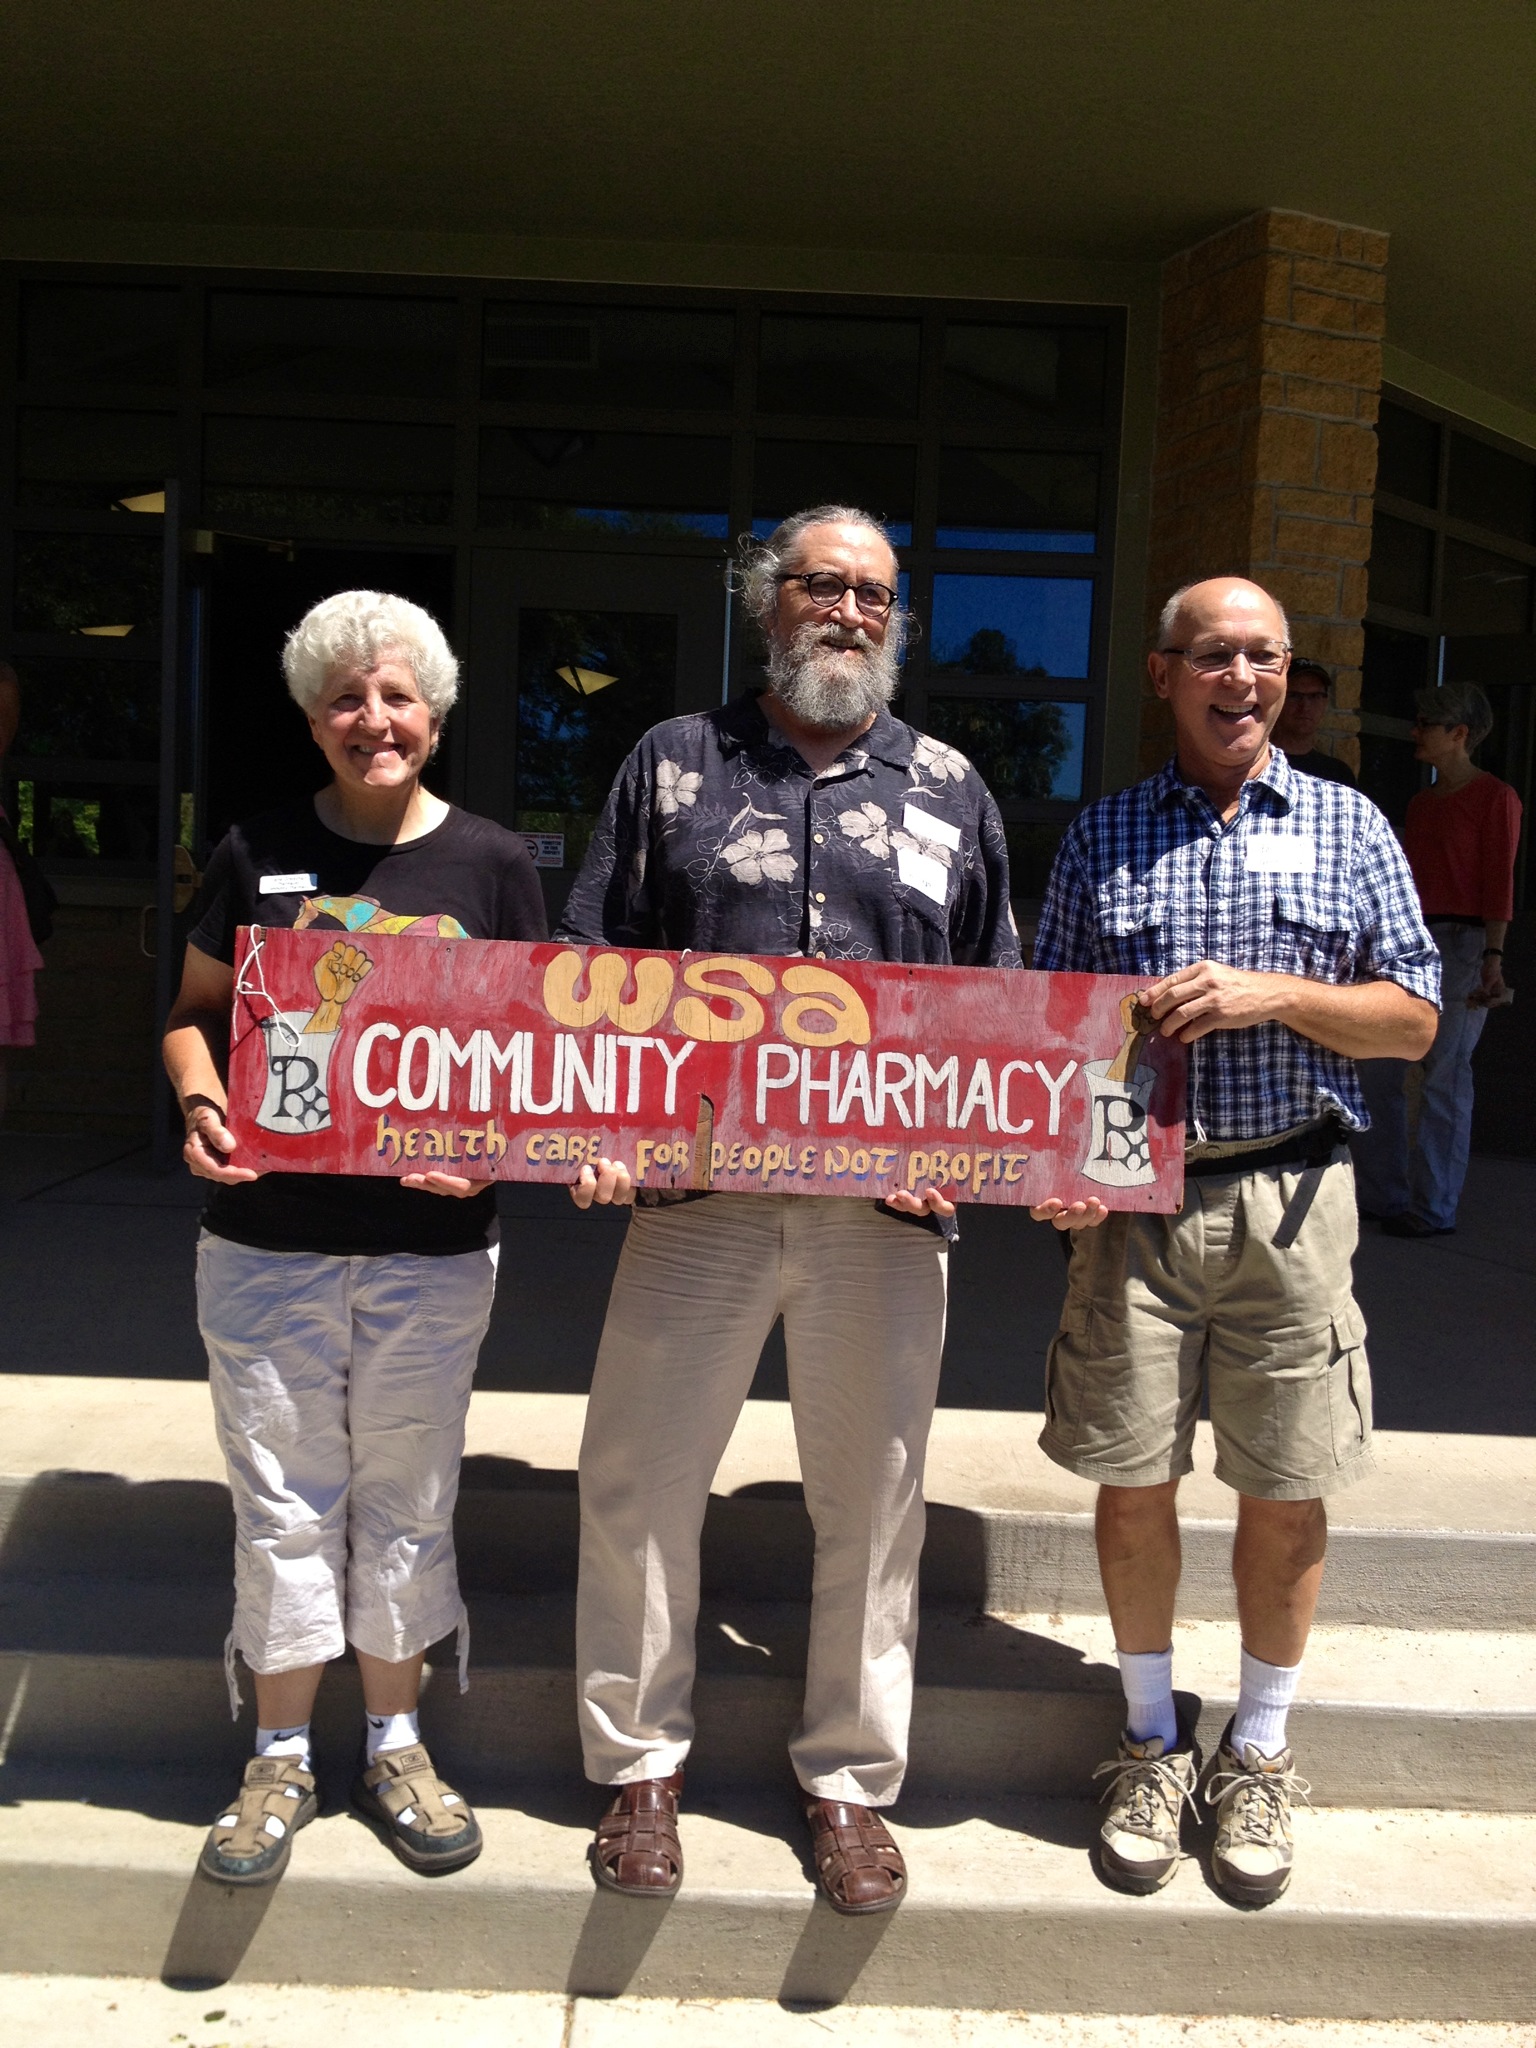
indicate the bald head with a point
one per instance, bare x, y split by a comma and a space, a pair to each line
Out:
1193, 605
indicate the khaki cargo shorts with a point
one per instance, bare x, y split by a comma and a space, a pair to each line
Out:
1158, 1307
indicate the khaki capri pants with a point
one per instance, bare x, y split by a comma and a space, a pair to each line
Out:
1161, 1308
340, 1390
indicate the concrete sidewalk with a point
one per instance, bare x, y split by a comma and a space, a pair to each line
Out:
96, 1279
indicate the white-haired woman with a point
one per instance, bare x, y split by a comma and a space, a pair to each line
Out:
343, 1315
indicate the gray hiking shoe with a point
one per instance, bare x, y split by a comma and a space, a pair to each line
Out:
1251, 1798
1139, 1841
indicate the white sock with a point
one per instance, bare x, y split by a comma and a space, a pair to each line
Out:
1147, 1676
1265, 1692
391, 1731
292, 1742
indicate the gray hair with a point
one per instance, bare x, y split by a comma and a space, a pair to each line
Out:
1167, 618
361, 628
760, 564
1457, 704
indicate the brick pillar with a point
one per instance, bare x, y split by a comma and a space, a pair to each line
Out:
1269, 378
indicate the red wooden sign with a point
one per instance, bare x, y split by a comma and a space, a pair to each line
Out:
390, 1054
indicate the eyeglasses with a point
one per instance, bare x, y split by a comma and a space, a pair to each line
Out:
825, 590
1429, 724
1210, 661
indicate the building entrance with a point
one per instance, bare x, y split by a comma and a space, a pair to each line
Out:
572, 658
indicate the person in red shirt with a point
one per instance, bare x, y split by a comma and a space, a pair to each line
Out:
1460, 837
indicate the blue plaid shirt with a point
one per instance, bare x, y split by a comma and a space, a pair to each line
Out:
1151, 880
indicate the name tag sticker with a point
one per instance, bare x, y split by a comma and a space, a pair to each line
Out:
922, 871
1279, 853
939, 830
286, 885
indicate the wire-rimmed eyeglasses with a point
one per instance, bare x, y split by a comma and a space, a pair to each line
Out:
1210, 661
825, 590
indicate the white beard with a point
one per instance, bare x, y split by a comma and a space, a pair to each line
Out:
832, 692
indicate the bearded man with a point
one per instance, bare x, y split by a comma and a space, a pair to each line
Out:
806, 820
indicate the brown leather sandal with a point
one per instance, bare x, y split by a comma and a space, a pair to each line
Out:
636, 1850
859, 1869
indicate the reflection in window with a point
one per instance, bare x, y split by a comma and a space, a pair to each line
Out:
352, 344
100, 334
87, 461
328, 472
1401, 564
1013, 376
100, 710
1021, 747
88, 821
1395, 665
1483, 592
88, 583
845, 369
1408, 455
565, 480
1019, 499
790, 475
575, 728
1492, 488
1012, 625
609, 355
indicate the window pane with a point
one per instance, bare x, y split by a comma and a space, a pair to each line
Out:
1012, 376
80, 582
1484, 592
330, 472
1031, 851
98, 710
1389, 775
844, 368
574, 730
1401, 564
1394, 666
99, 334
86, 461
1012, 625
86, 820
791, 475
561, 479
1492, 489
609, 355
1021, 747
1408, 455
1006, 498
301, 341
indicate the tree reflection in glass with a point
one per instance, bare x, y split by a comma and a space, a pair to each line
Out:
1022, 747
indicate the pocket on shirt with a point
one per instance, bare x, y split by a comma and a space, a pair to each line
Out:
1133, 921
1312, 930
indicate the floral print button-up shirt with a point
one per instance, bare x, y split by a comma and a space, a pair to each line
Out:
717, 835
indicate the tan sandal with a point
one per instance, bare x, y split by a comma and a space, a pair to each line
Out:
636, 1850
859, 1869
252, 1840
428, 1825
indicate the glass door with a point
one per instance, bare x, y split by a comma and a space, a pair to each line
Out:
573, 658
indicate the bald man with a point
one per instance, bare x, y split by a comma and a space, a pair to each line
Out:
1275, 923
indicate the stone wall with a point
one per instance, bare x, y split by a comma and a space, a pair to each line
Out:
1269, 378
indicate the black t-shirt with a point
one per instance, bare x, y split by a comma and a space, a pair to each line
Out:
467, 878
1316, 763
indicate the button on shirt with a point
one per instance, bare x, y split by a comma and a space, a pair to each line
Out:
1306, 879
718, 836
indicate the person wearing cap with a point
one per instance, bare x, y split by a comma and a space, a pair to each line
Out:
1308, 693
1460, 835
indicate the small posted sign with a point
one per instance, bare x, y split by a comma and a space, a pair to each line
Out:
393, 1054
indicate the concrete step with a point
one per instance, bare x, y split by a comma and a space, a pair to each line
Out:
1408, 1915
1023, 1704
124, 1478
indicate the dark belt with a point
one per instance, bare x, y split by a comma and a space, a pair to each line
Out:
1313, 1147
1456, 917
